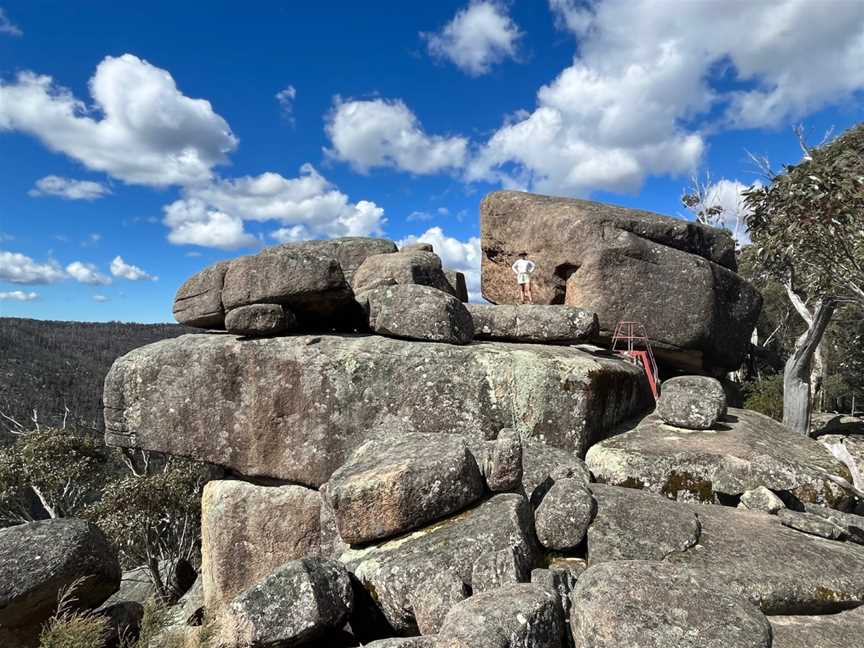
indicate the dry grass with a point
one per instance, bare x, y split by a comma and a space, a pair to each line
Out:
72, 628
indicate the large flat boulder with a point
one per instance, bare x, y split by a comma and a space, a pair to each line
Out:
743, 451
247, 531
39, 559
294, 408
396, 571
677, 277
543, 323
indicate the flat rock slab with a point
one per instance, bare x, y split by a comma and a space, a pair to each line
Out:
744, 451
543, 323
402, 482
294, 408
520, 615
841, 630
39, 559
642, 604
395, 571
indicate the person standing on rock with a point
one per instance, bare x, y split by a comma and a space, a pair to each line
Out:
523, 269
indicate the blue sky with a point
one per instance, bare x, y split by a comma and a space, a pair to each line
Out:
141, 142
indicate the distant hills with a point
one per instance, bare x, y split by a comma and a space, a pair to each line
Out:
47, 365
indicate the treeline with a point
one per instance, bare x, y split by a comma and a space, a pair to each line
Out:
50, 366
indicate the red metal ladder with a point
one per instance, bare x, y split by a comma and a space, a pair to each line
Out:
626, 340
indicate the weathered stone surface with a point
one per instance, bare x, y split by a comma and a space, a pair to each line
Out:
394, 570
198, 301
349, 251
190, 608
761, 499
636, 525
298, 603
848, 450
417, 247
499, 568
623, 264
457, 284
852, 525
308, 281
418, 312
692, 402
500, 461
401, 482
411, 267
543, 323
746, 450
247, 531
561, 578
39, 559
294, 408
841, 630
563, 517
812, 524
642, 604
541, 461
403, 642
433, 599
520, 615
260, 319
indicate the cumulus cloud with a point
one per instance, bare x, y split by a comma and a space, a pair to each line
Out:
463, 256
7, 26
87, 273
20, 269
478, 36
141, 128
625, 108
18, 295
68, 188
385, 133
305, 207
119, 268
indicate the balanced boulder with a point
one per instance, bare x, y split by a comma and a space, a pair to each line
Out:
260, 320
294, 408
545, 324
299, 603
746, 451
410, 267
401, 482
692, 402
418, 312
39, 559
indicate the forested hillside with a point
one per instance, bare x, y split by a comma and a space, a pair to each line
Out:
49, 366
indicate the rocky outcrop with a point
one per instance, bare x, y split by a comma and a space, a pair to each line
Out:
260, 319
247, 531
39, 559
400, 483
675, 276
401, 268
533, 323
417, 312
658, 605
743, 452
692, 402
294, 408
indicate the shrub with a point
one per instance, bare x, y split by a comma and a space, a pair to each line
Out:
765, 396
72, 628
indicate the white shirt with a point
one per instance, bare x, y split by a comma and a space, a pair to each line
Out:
523, 266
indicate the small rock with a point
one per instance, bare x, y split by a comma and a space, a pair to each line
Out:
520, 615
299, 603
401, 482
812, 524
564, 515
692, 402
497, 568
546, 324
434, 598
418, 312
501, 462
762, 499
260, 320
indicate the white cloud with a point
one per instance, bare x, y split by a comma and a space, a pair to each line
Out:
141, 130
7, 26
119, 268
92, 240
478, 37
645, 70
463, 256
101, 298
306, 206
21, 269
18, 295
419, 216
87, 273
68, 188
286, 97
385, 133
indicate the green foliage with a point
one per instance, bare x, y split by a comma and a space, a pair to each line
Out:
765, 396
73, 628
